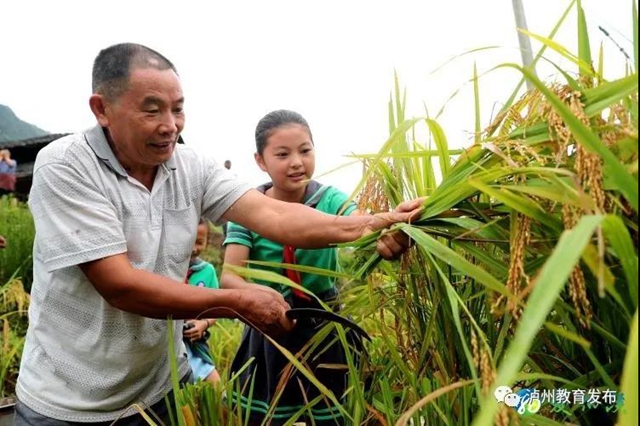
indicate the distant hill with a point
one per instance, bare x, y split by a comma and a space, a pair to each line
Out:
12, 128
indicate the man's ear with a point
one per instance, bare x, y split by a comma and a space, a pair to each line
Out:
98, 106
260, 162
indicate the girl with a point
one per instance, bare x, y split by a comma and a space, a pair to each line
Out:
285, 151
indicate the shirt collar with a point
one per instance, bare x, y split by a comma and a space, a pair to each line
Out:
97, 140
311, 193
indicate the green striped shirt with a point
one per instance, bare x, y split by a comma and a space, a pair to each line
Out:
331, 201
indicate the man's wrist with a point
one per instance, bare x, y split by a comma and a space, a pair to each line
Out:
236, 301
353, 228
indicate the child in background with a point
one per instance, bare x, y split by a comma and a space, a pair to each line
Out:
7, 165
7, 172
195, 334
285, 151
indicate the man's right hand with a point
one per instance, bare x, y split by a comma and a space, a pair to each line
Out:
264, 308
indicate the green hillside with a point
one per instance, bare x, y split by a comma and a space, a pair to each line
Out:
12, 128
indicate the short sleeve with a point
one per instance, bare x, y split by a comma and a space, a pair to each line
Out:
238, 234
337, 202
351, 206
75, 222
221, 190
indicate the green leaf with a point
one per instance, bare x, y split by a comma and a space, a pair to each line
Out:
308, 374
420, 154
452, 258
175, 380
554, 193
584, 67
476, 104
601, 60
268, 276
622, 244
392, 119
629, 385
539, 55
566, 334
301, 268
550, 282
455, 300
442, 146
584, 47
530, 131
398, 133
521, 204
602, 96
626, 183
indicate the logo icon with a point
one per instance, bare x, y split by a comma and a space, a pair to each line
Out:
501, 392
522, 400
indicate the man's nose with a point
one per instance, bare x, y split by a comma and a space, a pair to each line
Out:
169, 124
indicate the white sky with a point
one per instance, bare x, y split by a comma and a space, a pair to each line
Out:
332, 61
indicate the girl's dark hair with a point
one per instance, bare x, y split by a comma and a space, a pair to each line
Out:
272, 121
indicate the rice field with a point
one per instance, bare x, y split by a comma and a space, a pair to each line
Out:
518, 302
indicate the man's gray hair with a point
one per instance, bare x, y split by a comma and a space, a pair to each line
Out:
112, 67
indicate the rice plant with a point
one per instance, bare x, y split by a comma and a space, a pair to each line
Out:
14, 303
525, 267
16, 225
524, 270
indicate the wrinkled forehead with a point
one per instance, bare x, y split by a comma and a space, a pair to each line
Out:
145, 62
153, 85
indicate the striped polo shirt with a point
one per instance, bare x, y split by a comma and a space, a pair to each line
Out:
84, 360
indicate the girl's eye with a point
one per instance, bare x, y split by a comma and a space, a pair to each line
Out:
281, 154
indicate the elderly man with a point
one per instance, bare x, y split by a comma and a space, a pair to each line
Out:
116, 210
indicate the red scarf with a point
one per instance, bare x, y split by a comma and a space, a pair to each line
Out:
289, 256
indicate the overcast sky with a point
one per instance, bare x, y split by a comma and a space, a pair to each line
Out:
332, 61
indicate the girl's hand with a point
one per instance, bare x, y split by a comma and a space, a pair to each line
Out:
196, 332
391, 245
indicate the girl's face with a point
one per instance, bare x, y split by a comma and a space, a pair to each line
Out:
288, 158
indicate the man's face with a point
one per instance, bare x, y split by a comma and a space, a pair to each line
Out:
145, 121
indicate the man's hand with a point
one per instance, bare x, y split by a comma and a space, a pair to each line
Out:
3, 242
390, 245
265, 309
